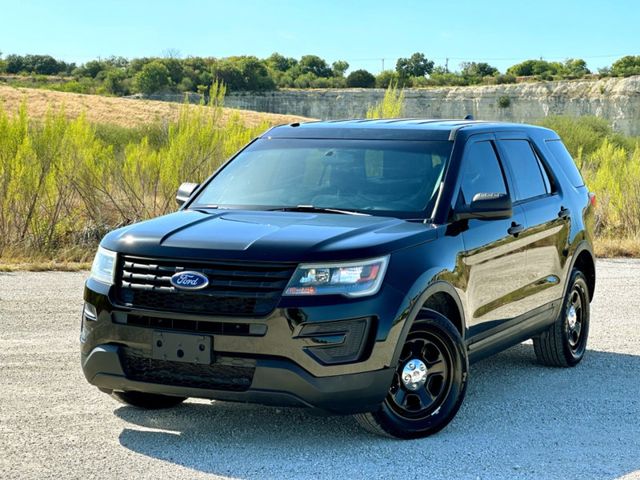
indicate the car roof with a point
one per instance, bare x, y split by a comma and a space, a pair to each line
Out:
393, 129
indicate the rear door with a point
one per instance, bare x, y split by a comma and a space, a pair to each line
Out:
547, 218
494, 255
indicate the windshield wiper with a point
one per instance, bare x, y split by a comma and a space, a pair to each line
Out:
312, 208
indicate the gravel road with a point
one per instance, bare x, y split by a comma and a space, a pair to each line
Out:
519, 420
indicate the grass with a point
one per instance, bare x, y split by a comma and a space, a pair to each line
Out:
117, 111
617, 247
44, 266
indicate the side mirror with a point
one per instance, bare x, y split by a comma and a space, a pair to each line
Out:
487, 206
185, 191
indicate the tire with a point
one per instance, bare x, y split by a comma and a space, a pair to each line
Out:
148, 401
415, 410
564, 343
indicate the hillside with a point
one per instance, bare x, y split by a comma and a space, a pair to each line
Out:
617, 100
115, 110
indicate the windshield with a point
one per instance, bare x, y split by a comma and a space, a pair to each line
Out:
368, 176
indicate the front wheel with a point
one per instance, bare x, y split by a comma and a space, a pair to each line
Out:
148, 401
428, 385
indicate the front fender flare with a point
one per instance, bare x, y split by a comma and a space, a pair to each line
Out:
417, 310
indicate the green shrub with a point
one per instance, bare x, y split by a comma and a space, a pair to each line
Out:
504, 101
391, 106
154, 77
361, 79
626, 66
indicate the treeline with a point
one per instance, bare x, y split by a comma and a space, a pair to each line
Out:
120, 76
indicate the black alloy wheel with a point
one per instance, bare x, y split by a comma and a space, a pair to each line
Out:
429, 382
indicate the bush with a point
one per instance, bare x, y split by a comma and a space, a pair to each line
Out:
386, 78
64, 183
504, 101
626, 66
391, 106
501, 79
154, 77
361, 78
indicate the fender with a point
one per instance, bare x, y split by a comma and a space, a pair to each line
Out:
416, 310
581, 247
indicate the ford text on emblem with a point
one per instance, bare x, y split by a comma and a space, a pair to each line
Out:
189, 281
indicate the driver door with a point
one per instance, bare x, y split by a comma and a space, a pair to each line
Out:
494, 256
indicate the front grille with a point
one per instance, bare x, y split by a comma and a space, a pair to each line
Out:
227, 373
235, 288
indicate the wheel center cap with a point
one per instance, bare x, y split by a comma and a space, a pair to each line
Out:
414, 374
572, 317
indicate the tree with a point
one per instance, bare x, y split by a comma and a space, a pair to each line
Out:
361, 78
255, 73
153, 77
339, 67
42, 64
92, 68
15, 64
280, 63
314, 64
415, 66
478, 70
539, 68
623, 67
115, 82
575, 68
243, 73
174, 66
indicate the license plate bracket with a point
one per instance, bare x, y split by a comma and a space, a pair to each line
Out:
179, 347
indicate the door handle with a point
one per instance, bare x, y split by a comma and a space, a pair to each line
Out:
515, 229
563, 213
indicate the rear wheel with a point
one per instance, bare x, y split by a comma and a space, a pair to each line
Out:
428, 385
564, 343
148, 401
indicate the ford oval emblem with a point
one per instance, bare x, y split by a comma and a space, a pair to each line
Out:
189, 281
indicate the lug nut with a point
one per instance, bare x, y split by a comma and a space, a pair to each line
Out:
412, 366
407, 378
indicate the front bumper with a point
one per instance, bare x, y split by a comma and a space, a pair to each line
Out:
275, 382
283, 367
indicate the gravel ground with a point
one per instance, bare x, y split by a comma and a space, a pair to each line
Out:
519, 420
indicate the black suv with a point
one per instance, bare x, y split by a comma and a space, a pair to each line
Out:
351, 266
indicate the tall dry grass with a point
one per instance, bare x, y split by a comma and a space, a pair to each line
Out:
62, 186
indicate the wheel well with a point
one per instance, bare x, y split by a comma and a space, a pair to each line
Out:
444, 304
585, 264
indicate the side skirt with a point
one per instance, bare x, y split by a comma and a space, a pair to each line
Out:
512, 332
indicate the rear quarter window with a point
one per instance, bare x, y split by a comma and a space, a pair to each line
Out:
564, 159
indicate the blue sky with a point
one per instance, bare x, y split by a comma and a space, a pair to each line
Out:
501, 32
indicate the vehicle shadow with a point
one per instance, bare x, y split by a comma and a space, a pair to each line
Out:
519, 419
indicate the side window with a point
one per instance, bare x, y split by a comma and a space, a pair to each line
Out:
528, 174
481, 172
563, 157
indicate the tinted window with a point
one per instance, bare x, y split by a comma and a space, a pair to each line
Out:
481, 172
526, 169
366, 175
565, 161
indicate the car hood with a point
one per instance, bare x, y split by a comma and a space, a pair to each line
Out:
267, 236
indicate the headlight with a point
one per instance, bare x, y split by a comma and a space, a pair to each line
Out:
353, 279
103, 267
